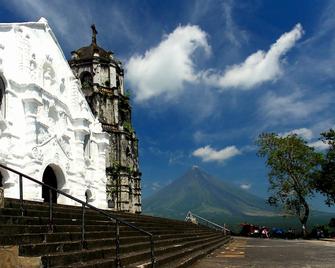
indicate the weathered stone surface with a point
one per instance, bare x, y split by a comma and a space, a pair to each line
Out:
102, 76
9, 258
2, 197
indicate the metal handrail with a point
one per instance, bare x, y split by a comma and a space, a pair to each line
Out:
189, 215
112, 218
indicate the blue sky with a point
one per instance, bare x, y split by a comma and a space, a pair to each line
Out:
207, 77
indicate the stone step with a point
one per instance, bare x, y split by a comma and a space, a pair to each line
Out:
173, 258
193, 254
76, 213
172, 251
29, 220
162, 255
21, 229
177, 243
44, 207
69, 259
20, 239
26, 229
34, 250
9, 219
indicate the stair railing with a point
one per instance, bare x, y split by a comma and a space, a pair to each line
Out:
191, 217
110, 217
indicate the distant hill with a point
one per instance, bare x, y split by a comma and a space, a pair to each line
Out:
206, 195
216, 200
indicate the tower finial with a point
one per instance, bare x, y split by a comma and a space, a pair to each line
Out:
94, 34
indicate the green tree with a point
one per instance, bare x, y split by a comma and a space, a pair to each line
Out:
325, 182
292, 165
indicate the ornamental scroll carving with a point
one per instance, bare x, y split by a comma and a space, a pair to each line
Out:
49, 75
52, 128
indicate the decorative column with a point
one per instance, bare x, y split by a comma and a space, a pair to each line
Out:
81, 128
31, 103
103, 142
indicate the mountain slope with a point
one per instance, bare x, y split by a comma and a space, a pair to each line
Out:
205, 195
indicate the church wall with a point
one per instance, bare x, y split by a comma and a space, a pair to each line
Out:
112, 74
47, 118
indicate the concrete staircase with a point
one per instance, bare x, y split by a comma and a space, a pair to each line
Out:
177, 243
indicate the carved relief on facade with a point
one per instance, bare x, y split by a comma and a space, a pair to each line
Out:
43, 134
23, 49
62, 86
49, 79
64, 143
53, 124
91, 149
33, 67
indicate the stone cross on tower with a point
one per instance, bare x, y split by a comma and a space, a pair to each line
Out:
94, 34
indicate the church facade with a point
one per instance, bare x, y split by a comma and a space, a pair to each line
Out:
69, 127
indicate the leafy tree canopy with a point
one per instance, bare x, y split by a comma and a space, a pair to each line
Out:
325, 182
292, 165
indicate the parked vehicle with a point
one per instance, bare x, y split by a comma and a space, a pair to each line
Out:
250, 230
265, 232
278, 232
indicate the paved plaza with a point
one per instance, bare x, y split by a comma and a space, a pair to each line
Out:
256, 252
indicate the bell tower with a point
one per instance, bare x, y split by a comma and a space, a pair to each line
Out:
102, 82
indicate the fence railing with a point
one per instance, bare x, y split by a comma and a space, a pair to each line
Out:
84, 205
191, 217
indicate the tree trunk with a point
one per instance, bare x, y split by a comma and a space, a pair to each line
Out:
303, 218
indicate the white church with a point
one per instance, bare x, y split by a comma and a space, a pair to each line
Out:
45, 118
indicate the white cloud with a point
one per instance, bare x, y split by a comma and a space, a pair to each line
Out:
200, 136
245, 186
155, 186
305, 133
59, 14
164, 69
292, 106
177, 158
248, 148
258, 68
276, 106
231, 31
319, 145
208, 154
74, 31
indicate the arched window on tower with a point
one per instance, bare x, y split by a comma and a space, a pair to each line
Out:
86, 80
2, 98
